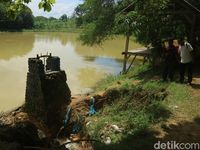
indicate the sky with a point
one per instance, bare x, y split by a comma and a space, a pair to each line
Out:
59, 8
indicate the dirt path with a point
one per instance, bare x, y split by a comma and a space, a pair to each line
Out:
184, 124
195, 88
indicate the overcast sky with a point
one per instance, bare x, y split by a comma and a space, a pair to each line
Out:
59, 8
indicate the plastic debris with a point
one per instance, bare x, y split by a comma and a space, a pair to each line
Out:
116, 128
75, 128
67, 117
41, 134
78, 124
92, 110
88, 123
68, 146
175, 106
107, 140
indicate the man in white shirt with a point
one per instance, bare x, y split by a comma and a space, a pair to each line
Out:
185, 51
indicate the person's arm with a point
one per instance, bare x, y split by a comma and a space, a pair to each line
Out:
189, 46
179, 50
191, 50
179, 54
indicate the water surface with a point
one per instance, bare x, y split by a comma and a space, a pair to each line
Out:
85, 66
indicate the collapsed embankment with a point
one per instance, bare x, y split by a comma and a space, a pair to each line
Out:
140, 110
22, 129
117, 117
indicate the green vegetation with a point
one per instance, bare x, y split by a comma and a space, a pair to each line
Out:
22, 19
136, 101
18, 19
53, 24
18, 5
148, 21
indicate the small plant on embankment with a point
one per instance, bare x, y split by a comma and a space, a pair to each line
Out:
134, 102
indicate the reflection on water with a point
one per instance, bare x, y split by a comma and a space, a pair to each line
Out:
85, 76
18, 44
84, 66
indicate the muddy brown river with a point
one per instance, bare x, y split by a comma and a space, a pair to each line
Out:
84, 65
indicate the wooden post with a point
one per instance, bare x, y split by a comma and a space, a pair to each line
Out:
126, 51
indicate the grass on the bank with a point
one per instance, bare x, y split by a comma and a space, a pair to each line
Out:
137, 100
54, 25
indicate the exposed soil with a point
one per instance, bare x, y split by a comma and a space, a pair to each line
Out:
21, 130
184, 124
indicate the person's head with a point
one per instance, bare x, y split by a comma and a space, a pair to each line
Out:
175, 43
165, 44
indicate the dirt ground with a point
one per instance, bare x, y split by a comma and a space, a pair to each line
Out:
184, 124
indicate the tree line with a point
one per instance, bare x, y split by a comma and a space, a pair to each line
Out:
10, 20
63, 23
24, 19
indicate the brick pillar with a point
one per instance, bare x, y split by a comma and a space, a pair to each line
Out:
53, 63
47, 92
34, 98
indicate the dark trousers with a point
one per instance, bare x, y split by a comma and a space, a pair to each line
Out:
168, 71
183, 67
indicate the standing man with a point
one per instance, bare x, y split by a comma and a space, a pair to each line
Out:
185, 51
170, 57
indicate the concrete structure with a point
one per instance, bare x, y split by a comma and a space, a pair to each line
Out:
46, 89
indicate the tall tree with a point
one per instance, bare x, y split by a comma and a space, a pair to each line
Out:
22, 19
148, 20
98, 20
64, 17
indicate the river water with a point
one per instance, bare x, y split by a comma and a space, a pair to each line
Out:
84, 65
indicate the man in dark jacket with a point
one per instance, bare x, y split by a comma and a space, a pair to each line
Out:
170, 57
